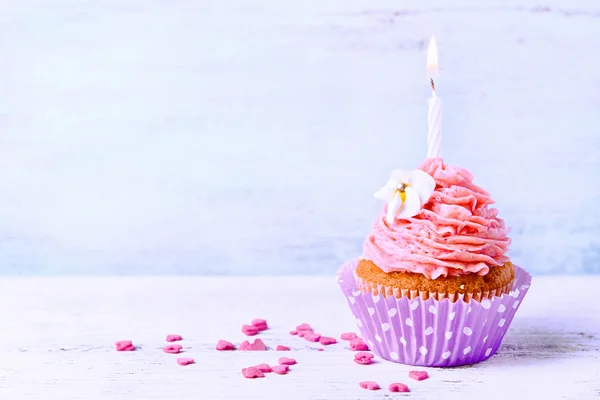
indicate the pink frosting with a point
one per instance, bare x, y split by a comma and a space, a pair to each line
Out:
454, 234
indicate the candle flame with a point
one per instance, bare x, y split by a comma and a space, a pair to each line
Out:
432, 59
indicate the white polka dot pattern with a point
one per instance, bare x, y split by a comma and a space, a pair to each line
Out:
421, 332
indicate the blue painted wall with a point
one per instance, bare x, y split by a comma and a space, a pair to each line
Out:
225, 138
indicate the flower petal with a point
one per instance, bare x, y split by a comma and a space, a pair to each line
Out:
393, 208
400, 176
411, 206
423, 183
386, 193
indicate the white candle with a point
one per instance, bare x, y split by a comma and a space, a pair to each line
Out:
434, 125
434, 117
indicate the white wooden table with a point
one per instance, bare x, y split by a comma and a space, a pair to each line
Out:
57, 342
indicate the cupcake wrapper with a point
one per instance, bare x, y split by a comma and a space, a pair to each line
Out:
430, 332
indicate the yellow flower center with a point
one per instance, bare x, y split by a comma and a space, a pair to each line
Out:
401, 188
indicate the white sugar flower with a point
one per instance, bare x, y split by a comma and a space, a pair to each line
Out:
405, 193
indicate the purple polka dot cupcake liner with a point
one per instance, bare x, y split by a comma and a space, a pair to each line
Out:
432, 333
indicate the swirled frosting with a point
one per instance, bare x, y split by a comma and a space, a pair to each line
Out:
454, 234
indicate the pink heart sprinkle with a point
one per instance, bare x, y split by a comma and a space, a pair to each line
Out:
252, 372
369, 385
258, 345
358, 345
398, 387
293, 332
349, 336
125, 345
172, 348
185, 361
282, 348
264, 367
320, 349
249, 330
287, 361
363, 358
173, 338
225, 345
304, 327
280, 369
312, 337
260, 324
244, 345
327, 340
418, 375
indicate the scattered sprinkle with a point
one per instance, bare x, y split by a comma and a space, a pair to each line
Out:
398, 387
287, 361
280, 369
252, 372
357, 344
327, 340
264, 367
249, 330
258, 345
312, 337
173, 348
185, 361
173, 338
260, 324
293, 332
349, 336
418, 375
124, 345
369, 385
282, 348
320, 349
363, 358
225, 345
304, 327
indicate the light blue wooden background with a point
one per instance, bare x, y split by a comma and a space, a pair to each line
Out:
234, 137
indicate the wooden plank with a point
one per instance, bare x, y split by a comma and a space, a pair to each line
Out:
57, 341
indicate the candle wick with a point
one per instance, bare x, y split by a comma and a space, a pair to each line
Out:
432, 84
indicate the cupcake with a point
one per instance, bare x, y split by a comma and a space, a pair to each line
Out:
434, 286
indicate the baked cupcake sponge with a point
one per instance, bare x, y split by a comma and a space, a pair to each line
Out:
472, 286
